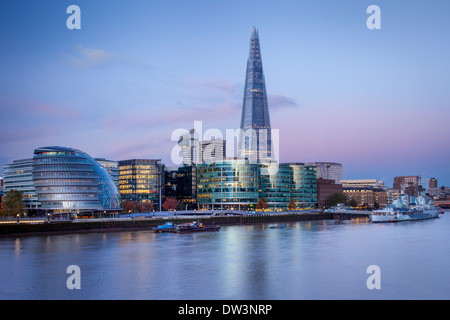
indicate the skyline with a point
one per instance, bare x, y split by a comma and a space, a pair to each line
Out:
374, 100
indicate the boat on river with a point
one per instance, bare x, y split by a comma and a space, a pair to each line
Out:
196, 227
186, 227
166, 227
405, 209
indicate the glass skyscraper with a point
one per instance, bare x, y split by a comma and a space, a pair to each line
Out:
255, 142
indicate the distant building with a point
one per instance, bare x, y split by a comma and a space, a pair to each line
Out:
141, 180
432, 183
329, 170
362, 183
407, 185
372, 196
196, 151
325, 188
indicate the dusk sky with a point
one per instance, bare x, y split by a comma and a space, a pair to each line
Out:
377, 101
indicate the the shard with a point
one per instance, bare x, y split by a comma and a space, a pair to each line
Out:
255, 142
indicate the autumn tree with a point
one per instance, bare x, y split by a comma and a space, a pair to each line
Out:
292, 205
170, 204
261, 204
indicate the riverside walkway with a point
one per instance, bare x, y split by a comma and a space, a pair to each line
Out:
150, 220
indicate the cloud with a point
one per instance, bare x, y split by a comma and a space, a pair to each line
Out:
91, 57
277, 102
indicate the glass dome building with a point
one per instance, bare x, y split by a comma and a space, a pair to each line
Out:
70, 181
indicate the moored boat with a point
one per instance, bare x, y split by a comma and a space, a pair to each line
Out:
166, 227
196, 227
186, 227
401, 210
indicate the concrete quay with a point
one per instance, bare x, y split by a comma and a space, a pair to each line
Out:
42, 226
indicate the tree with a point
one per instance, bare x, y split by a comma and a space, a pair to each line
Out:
262, 204
353, 203
128, 206
181, 206
13, 203
336, 198
170, 204
292, 205
147, 206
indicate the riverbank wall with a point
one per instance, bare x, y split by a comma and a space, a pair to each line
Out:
88, 225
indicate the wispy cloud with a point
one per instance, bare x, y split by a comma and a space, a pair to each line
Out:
277, 102
88, 58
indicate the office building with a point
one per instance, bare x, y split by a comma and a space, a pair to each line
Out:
141, 180
362, 183
195, 151
255, 141
326, 188
227, 184
240, 184
187, 185
329, 170
19, 176
303, 185
407, 185
432, 183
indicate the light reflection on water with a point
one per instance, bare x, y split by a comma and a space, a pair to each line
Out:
309, 260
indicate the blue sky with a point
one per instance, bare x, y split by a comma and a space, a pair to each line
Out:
375, 100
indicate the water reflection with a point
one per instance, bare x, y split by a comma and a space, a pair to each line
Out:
308, 260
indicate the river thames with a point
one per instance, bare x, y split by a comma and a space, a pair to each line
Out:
308, 260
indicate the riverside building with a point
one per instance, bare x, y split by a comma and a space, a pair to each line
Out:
63, 182
19, 176
239, 184
141, 180
69, 181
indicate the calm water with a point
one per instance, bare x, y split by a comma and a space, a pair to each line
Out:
314, 260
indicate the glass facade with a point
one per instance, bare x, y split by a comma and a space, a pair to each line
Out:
69, 180
239, 184
19, 176
140, 180
255, 142
303, 184
187, 185
113, 169
274, 188
227, 184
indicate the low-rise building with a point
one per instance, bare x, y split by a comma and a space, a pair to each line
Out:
325, 188
373, 197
